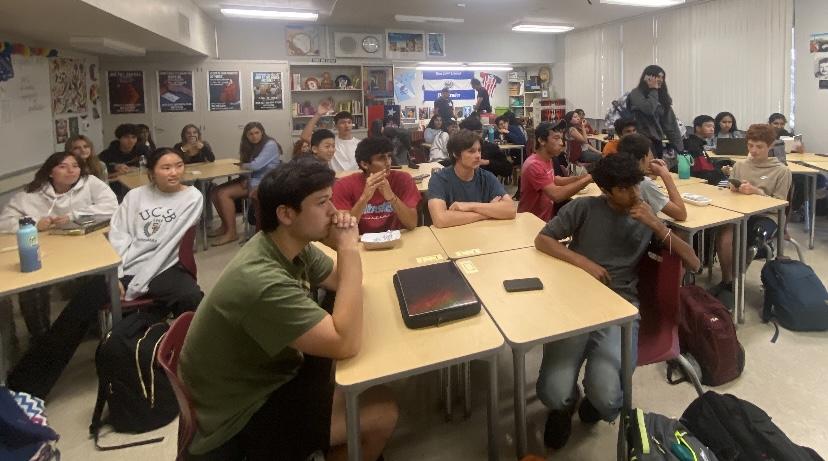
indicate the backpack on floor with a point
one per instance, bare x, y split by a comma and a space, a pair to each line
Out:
794, 296
706, 331
131, 382
738, 430
655, 437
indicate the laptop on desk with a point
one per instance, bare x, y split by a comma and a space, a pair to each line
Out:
732, 147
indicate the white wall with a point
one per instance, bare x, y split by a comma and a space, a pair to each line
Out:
811, 102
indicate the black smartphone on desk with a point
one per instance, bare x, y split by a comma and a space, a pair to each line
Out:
736, 183
528, 284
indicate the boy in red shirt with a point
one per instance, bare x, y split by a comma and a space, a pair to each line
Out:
380, 198
539, 186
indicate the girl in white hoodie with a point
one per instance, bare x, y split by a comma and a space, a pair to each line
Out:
62, 190
146, 231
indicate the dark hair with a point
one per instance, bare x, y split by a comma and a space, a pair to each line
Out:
289, 184
369, 147
184, 132
635, 145
720, 116
156, 155
471, 124
622, 123
511, 117
320, 135
141, 128
762, 132
342, 115
544, 128
475, 82
568, 119
616, 171
42, 174
126, 129
663, 94
580, 112
701, 120
775, 116
247, 150
460, 141
501, 119
431, 122
93, 164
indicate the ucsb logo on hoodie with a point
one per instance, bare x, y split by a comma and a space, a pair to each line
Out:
154, 217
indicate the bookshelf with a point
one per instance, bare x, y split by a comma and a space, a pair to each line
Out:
310, 84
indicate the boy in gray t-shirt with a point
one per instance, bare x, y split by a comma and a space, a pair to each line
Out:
637, 147
609, 234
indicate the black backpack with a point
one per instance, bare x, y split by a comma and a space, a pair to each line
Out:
130, 380
737, 430
794, 296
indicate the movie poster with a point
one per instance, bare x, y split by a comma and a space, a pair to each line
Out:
267, 90
126, 91
175, 91
68, 83
225, 90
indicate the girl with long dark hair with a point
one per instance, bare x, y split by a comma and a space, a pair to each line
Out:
652, 107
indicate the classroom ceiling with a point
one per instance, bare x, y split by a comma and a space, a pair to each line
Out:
478, 15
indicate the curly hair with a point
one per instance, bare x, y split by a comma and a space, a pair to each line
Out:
616, 171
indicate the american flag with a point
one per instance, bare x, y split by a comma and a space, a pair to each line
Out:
489, 81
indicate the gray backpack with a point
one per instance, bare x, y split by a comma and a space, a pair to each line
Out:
654, 437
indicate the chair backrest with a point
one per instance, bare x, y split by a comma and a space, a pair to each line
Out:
168, 353
186, 252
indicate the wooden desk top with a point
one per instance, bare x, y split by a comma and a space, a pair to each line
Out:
489, 236
424, 168
802, 169
390, 350
571, 302
734, 201
702, 217
192, 172
510, 146
681, 182
806, 157
418, 247
63, 257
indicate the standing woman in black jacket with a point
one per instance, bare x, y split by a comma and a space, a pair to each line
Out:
652, 106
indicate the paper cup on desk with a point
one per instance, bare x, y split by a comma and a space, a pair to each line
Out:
380, 240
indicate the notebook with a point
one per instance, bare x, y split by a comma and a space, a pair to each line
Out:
81, 226
434, 294
731, 146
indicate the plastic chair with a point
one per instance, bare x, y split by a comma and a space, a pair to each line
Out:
186, 256
658, 292
168, 353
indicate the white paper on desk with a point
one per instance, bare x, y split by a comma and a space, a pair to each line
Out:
381, 237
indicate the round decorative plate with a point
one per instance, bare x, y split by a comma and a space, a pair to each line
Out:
311, 83
544, 74
342, 82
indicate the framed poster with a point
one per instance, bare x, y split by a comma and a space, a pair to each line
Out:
302, 40
225, 90
267, 90
436, 45
175, 91
126, 92
404, 45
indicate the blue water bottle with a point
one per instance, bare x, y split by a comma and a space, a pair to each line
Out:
491, 134
28, 245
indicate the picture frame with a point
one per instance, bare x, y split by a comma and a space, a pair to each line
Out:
436, 45
405, 44
302, 40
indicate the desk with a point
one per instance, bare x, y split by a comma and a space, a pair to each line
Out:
64, 257
512, 147
489, 236
681, 182
392, 351
748, 205
417, 247
531, 318
206, 171
598, 140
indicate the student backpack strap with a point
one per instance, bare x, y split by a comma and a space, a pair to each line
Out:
97, 422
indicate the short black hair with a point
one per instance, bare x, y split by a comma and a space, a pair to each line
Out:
370, 147
289, 184
475, 81
720, 116
460, 141
775, 116
622, 123
501, 119
544, 128
320, 135
635, 145
342, 115
471, 124
126, 129
702, 119
616, 171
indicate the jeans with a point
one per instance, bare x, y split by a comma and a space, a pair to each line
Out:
562, 360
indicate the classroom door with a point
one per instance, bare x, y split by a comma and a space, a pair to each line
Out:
223, 128
175, 100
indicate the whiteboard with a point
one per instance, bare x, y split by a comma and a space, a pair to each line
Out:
26, 124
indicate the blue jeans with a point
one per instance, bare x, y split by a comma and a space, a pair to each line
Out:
562, 360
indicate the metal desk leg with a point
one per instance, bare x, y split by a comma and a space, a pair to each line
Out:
626, 383
352, 425
780, 234
519, 361
739, 269
492, 413
812, 208
114, 296
203, 186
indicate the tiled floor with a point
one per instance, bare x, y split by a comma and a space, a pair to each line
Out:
787, 379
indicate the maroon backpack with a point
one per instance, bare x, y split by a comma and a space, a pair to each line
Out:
706, 331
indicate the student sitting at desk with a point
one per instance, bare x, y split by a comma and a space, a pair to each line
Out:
726, 127
759, 174
62, 191
345, 143
464, 193
623, 127
257, 357
492, 157
540, 188
81, 146
638, 147
323, 145
612, 258
146, 231
434, 128
380, 198
124, 151
259, 153
195, 149
439, 148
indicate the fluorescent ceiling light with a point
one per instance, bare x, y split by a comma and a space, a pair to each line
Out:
649, 3
444, 67
440, 63
269, 14
542, 28
407, 18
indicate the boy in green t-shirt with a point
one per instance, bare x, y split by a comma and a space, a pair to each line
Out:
255, 392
